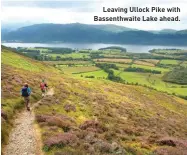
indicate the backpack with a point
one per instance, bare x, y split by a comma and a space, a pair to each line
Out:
25, 92
42, 86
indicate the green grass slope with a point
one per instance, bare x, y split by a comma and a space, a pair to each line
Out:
95, 116
17, 70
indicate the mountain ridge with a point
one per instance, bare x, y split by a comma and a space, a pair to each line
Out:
77, 32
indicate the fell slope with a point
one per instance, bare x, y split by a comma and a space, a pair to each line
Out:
17, 70
98, 117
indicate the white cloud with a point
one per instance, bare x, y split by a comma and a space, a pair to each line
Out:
67, 12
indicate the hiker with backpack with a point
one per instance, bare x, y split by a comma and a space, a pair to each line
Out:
25, 93
43, 87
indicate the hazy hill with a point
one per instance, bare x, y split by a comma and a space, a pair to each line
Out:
164, 31
112, 28
182, 32
92, 34
167, 31
94, 117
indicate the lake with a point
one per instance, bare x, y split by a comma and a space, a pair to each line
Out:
95, 46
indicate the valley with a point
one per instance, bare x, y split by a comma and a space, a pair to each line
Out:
145, 69
106, 101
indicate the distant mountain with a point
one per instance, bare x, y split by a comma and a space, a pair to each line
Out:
164, 31
182, 32
4, 31
14, 26
167, 31
112, 28
83, 33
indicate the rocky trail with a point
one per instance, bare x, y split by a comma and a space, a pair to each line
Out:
24, 138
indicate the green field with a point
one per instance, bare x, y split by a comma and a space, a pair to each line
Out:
147, 79
68, 62
96, 74
120, 65
151, 68
169, 62
154, 81
72, 55
184, 64
77, 69
113, 60
42, 50
113, 54
169, 51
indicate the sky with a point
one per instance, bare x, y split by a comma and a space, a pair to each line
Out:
26, 12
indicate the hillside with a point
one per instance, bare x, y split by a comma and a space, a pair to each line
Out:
164, 31
17, 70
112, 28
182, 32
90, 116
83, 33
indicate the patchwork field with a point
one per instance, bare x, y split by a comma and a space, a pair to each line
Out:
68, 62
144, 63
151, 68
169, 62
154, 81
120, 65
114, 60
72, 55
95, 74
77, 69
85, 69
152, 61
144, 79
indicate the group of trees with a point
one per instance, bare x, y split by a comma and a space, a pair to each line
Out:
162, 50
95, 55
39, 54
89, 76
114, 48
107, 68
177, 75
143, 70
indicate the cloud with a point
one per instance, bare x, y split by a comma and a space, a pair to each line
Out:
84, 11
48, 4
